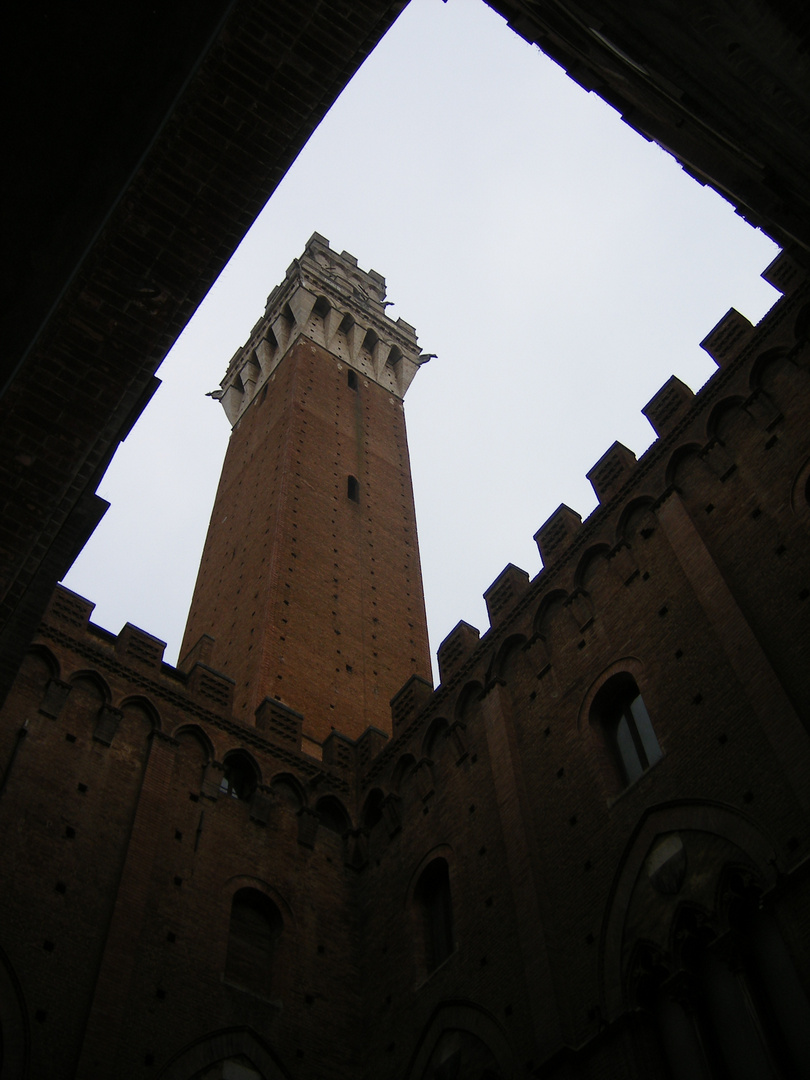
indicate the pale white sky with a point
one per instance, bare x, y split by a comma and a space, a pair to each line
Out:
559, 266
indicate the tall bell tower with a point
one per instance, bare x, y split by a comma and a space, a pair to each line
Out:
310, 589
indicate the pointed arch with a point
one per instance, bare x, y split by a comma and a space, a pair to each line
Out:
91, 677
194, 731
404, 767
549, 604
47, 657
222, 1045
506, 656
467, 701
714, 818
473, 1024
145, 706
430, 744
678, 458
333, 815
763, 362
587, 561
632, 516
372, 812
289, 790
719, 413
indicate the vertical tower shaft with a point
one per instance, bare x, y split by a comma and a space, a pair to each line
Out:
310, 583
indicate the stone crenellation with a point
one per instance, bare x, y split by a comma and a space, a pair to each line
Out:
326, 296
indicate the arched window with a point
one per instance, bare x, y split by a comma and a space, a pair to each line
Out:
254, 930
619, 711
332, 815
372, 809
239, 777
434, 906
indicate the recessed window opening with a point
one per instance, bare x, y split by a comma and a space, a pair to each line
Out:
432, 896
620, 711
255, 928
352, 380
353, 489
332, 815
239, 777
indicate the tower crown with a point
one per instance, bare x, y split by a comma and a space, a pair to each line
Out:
326, 297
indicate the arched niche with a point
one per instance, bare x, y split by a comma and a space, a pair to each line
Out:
468, 703
333, 815
89, 694
725, 415
553, 621
637, 519
91, 685
196, 736
592, 568
288, 791
140, 715
37, 684
39, 666
403, 770
192, 757
511, 660
683, 461
766, 368
435, 738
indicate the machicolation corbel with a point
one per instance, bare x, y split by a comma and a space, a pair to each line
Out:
554, 536
409, 702
455, 649
725, 342
611, 471
665, 408
505, 590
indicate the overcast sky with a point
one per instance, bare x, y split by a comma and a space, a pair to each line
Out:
559, 266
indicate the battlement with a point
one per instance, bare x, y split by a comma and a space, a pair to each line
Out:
327, 298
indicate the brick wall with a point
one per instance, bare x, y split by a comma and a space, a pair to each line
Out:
316, 596
127, 852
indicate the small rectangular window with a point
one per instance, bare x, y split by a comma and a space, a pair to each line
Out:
352, 380
353, 489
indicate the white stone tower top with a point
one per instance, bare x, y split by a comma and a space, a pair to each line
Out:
329, 299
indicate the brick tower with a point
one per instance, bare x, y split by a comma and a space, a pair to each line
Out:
310, 591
